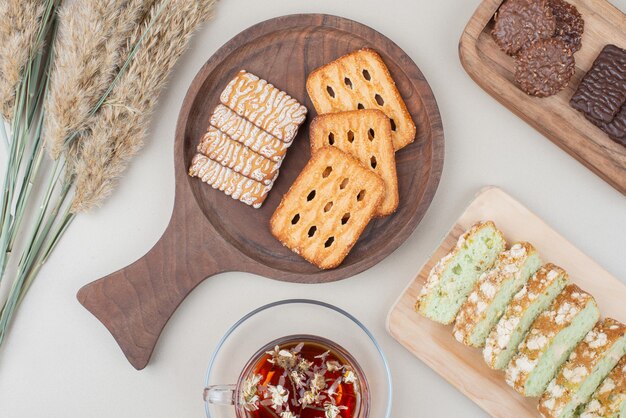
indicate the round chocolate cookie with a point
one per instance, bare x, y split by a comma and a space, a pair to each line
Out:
569, 23
520, 23
544, 68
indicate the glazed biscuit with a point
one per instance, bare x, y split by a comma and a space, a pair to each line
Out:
219, 147
324, 212
365, 134
361, 80
245, 132
233, 184
264, 105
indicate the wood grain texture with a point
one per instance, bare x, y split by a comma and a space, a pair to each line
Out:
493, 70
211, 233
463, 366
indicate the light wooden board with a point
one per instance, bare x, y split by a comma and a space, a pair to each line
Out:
464, 367
493, 70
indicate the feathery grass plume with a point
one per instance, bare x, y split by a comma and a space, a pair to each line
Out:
19, 23
118, 129
91, 36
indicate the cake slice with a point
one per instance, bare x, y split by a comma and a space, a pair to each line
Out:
535, 297
551, 339
493, 292
451, 280
609, 400
587, 366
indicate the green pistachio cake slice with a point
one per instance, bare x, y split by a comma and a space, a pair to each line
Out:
587, 366
492, 293
551, 339
454, 276
609, 400
535, 297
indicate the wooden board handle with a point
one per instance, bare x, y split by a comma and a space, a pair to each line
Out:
136, 302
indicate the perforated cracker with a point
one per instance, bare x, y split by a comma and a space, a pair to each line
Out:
361, 80
233, 184
324, 212
264, 105
219, 147
245, 132
365, 134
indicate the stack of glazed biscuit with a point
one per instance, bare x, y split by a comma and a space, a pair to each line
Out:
351, 177
247, 139
543, 332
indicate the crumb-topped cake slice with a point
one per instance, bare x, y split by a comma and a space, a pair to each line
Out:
453, 277
551, 339
535, 297
609, 400
493, 292
587, 366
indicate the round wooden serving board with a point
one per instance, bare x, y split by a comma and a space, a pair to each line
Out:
210, 233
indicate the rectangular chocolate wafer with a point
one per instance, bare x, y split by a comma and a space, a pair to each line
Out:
264, 105
602, 91
361, 80
324, 212
616, 129
365, 134
233, 184
248, 134
221, 148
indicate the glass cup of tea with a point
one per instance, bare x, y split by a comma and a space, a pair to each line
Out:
308, 369
303, 376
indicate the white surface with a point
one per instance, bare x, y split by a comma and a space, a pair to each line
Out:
59, 361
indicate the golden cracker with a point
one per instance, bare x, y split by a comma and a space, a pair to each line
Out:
264, 105
365, 134
245, 132
233, 184
326, 209
219, 147
358, 80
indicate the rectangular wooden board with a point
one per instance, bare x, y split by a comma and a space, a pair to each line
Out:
493, 70
464, 367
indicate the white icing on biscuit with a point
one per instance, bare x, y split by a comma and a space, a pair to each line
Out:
264, 105
243, 131
233, 184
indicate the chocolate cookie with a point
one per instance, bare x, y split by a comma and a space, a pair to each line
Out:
520, 23
602, 92
569, 23
544, 68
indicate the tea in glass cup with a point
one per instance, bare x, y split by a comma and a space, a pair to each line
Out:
299, 376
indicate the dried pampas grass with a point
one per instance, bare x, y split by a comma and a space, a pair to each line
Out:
118, 129
19, 25
88, 53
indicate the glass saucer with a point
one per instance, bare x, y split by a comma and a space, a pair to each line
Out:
299, 316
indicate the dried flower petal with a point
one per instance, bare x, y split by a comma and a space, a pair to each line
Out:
279, 395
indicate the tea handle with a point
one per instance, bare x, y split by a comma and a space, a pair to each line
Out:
220, 394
